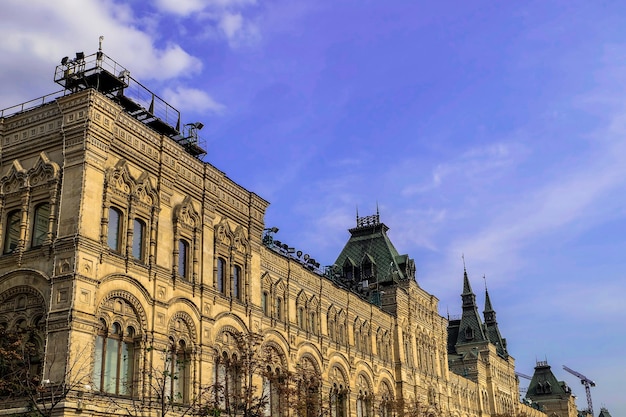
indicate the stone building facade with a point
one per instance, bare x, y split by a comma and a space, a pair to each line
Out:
126, 252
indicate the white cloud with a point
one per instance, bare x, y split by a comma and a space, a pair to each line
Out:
187, 7
192, 99
39, 33
231, 23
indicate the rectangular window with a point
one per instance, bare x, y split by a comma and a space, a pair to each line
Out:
115, 226
264, 301
221, 269
111, 365
12, 230
139, 246
40, 224
183, 258
97, 367
237, 282
279, 309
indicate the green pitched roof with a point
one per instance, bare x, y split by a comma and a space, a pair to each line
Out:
545, 385
369, 243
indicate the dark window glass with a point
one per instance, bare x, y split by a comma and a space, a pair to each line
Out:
40, 224
221, 270
264, 301
12, 237
139, 233
183, 258
237, 282
115, 225
279, 308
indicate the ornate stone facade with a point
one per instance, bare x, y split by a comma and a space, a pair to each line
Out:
117, 244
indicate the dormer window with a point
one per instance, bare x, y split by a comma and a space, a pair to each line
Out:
469, 333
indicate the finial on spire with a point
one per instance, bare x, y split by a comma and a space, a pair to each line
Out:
485, 279
463, 257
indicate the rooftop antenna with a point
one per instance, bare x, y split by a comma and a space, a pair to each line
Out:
99, 54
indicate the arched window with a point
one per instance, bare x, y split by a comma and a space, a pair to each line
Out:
386, 401
308, 383
221, 275
273, 385
237, 282
40, 224
364, 399
183, 258
139, 239
114, 359
338, 401
12, 231
179, 374
114, 238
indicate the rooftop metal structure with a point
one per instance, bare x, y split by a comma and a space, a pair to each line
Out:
98, 71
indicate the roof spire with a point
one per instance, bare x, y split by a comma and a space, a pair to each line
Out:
488, 307
471, 327
491, 325
467, 288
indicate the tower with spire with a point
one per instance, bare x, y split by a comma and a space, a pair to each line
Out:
477, 351
491, 327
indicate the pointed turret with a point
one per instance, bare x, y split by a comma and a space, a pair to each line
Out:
491, 327
470, 326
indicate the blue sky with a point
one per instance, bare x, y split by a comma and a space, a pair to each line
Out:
493, 130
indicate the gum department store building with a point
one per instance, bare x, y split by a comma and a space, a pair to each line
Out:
126, 252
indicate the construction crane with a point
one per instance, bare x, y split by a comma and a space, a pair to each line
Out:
523, 375
588, 383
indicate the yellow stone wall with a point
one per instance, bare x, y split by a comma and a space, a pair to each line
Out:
95, 157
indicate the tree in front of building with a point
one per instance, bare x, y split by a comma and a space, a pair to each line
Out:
22, 370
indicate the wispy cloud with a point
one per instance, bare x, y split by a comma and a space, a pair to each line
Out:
475, 164
225, 18
192, 99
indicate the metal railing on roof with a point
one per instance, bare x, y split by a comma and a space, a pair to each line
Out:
31, 104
